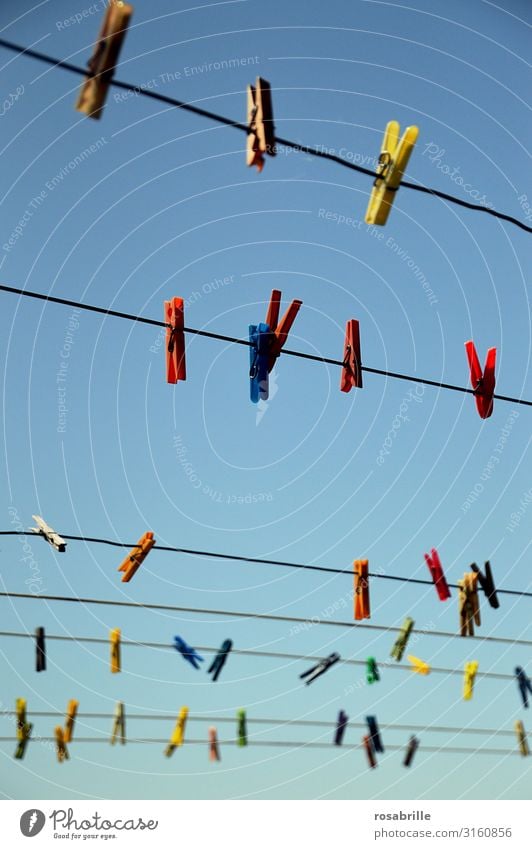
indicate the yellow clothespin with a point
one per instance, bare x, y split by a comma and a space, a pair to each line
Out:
119, 724
470, 671
114, 637
393, 160
178, 734
72, 710
419, 665
261, 131
136, 556
521, 738
468, 606
60, 742
102, 64
402, 639
24, 729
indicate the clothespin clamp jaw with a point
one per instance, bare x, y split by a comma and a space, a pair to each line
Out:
259, 357
242, 734
436, 571
136, 556
418, 665
119, 724
468, 606
470, 672
261, 129
352, 369
392, 163
366, 742
487, 583
361, 590
483, 382
178, 734
72, 710
174, 317
40, 650
214, 750
522, 738
103, 61
402, 639
60, 742
410, 752
49, 534
372, 671
115, 636
24, 729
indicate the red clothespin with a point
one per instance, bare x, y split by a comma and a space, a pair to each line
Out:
361, 589
131, 563
366, 742
482, 381
174, 317
435, 569
352, 370
279, 329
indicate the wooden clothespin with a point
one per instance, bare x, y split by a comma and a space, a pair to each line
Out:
178, 734
214, 750
267, 340
361, 589
352, 369
372, 671
418, 665
402, 639
136, 556
49, 534
411, 751
483, 382
487, 584
392, 163
241, 728
114, 638
521, 738
24, 729
70, 718
119, 724
261, 130
366, 742
374, 733
174, 317
103, 62
341, 724
468, 606
60, 743
40, 650
470, 672
436, 571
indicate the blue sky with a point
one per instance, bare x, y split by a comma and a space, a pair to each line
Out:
161, 204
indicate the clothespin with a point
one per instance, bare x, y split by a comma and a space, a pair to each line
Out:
119, 724
411, 751
136, 556
468, 607
268, 340
218, 663
214, 750
402, 639
374, 734
60, 742
114, 637
49, 534
187, 651
524, 684
435, 569
521, 738
419, 665
470, 672
352, 369
487, 584
261, 130
483, 382
366, 742
174, 317
321, 667
40, 650
72, 710
103, 62
241, 731
24, 729
342, 721
361, 589
178, 734
392, 163
372, 671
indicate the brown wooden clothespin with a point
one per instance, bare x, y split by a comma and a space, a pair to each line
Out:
468, 604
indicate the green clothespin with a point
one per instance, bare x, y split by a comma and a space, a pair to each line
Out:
242, 731
402, 639
372, 673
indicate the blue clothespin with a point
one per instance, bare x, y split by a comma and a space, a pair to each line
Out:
218, 662
374, 732
321, 667
187, 651
259, 353
524, 684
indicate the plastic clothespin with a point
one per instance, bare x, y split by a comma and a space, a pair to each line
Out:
468, 606
102, 64
119, 724
40, 650
436, 571
521, 738
372, 671
483, 382
418, 665
342, 721
392, 163
352, 369
24, 729
402, 639
470, 671
487, 584
524, 684
261, 129
60, 743
374, 734
214, 749
219, 661
178, 734
361, 590
411, 751
114, 637
72, 709
366, 742
321, 667
187, 651
259, 358
241, 728
49, 534
174, 317
280, 329
136, 556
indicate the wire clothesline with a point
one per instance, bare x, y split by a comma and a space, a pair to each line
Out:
221, 119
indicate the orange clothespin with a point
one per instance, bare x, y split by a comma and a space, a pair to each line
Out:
136, 556
468, 606
178, 734
174, 317
114, 637
361, 593
482, 381
214, 751
102, 64
418, 665
60, 742
72, 710
279, 329
470, 672
261, 130
352, 370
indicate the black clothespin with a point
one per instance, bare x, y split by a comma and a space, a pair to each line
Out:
523, 681
40, 650
342, 721
374, 733
320, 668
219, 661
487, 584
411, 751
